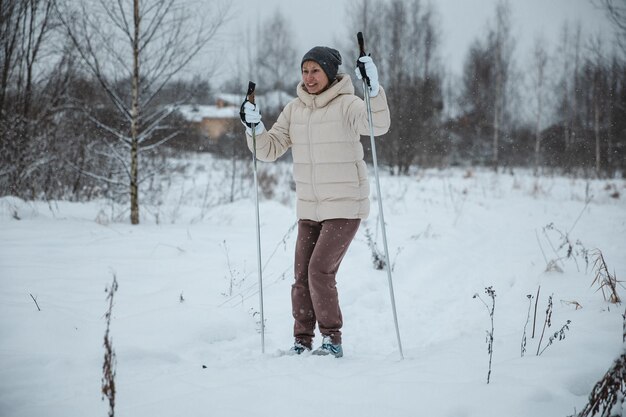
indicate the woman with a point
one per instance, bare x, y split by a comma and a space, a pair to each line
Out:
322, 126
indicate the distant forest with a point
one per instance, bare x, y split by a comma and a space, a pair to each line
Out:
89, 91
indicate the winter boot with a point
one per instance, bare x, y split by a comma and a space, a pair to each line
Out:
328, 348
298, 349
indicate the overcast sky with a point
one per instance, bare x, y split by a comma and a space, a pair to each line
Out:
322, 22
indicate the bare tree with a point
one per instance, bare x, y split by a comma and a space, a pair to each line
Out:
396, 80
540, 61
406, 54
564, 90
487, 90
365, 16
276, 54
133, 50
615, 117
11, 13
597, 73
502, 45
568, 92
29, 92
616, 12
574, 119
476, 101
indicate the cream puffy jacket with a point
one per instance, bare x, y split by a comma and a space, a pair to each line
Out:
324, 133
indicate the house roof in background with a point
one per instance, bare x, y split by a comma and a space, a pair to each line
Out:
271, 101
196, 113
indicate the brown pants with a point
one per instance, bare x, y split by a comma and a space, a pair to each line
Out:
320, 249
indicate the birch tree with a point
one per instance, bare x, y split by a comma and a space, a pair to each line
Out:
133, 49
570, 92
502, 45
540, 62
597, 74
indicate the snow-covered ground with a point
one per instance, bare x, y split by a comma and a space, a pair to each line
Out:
185, 319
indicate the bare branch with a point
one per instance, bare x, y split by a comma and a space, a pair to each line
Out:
92, 175
147, 132
35, 300
88, 54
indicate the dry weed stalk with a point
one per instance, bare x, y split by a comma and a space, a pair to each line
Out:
530, 304
108, 367
489, 339
535, 315
235, 279
608, 395
558, 335
35, 300
378, 259
605, 280
546, 323
566, 249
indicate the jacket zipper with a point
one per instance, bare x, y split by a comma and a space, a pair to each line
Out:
313, 179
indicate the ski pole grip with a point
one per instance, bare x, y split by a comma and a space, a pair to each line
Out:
250, 93
359, 38
249, 98
360, 65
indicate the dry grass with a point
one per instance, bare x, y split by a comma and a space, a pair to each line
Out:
607, 396
606, 281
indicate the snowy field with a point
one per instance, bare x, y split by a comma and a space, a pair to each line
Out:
185, 320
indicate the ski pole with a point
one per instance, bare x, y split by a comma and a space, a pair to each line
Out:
366, 93
250, 98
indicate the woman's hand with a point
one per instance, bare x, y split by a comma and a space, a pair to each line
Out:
371, 72
251, 116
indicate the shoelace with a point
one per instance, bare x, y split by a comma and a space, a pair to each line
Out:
327, 345
299, 348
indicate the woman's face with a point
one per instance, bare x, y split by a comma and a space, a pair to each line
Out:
314, 78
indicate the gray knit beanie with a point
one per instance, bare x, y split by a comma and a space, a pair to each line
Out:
327, 58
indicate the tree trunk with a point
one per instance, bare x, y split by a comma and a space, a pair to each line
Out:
574, 113
541, 59
496, 119
596, 111
610, 168
234, 171
500, 67
538, 141
134, 124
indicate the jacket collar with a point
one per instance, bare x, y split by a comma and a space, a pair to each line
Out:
343, 85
